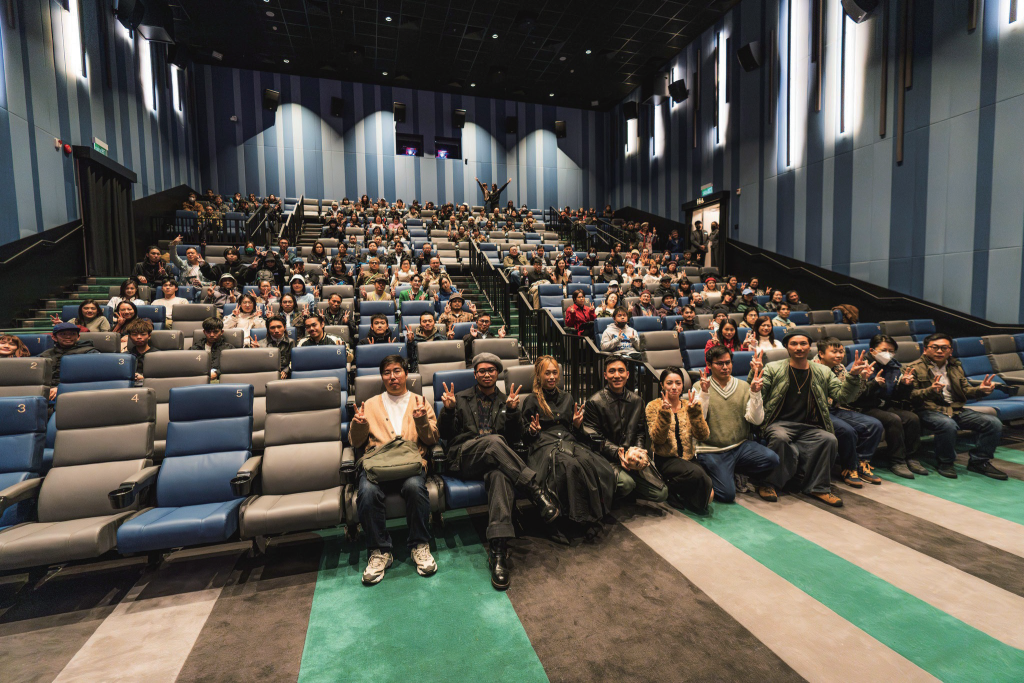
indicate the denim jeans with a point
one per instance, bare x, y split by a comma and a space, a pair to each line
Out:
988, 429
858, 435
749, 458
373, 514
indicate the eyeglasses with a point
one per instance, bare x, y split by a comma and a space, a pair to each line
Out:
936, 347
722, 363
487, 371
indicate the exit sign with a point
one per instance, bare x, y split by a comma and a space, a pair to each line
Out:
705, 190
99, 146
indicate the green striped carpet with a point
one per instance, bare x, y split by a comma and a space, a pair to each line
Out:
910, 580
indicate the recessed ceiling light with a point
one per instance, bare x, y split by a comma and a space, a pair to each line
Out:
551, 94
588, 52
269, 13
384, 72
287, 61
494, 35
472, 85
274, 27
562, 58
387, 18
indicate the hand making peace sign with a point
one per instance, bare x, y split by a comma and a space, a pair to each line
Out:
512, 402
756, 380
577, 414
419, 407
448, 397
360, 416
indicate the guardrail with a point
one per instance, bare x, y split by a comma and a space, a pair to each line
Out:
292, 226
492, 282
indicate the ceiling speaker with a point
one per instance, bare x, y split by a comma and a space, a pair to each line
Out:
559, 129
177, 54
750, 56
629, 110
858, 10
337, 106
678, 91
511, 125
399, 110
459, 118
271, 98
130, 13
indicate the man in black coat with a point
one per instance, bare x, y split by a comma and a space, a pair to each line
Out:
615, 422
481, 421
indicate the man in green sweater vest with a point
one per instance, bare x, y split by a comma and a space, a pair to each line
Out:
730, 407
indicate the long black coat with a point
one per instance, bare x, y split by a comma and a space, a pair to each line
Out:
582, 480
459, 424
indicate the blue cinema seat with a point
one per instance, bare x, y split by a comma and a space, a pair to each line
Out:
22, 437
458, 493
209, 436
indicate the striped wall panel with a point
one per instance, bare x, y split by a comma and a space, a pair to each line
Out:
302, 149
946, 225
44, 96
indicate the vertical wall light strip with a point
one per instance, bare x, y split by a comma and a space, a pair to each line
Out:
74, 53
789, 81
696, 101
842, 73
909, 82
816, 51
972, 15
1013, 11
883, 95
901, 90
772, 69
718, 110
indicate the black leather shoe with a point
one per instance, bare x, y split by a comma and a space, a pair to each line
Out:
900, 469
498, 562
545, 502
917, 468
947, 470
988, 469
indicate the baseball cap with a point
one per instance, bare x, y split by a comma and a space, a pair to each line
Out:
65, 327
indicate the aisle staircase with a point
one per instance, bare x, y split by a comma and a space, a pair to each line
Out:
86, 288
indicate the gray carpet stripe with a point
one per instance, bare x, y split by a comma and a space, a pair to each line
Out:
257, 628
616, 611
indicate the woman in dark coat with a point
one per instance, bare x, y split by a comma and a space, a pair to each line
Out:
583, 481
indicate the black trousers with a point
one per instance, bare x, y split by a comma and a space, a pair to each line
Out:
686, 480
902, 432
489, 459
806, 456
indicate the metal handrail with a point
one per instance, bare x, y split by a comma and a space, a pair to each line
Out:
49, 243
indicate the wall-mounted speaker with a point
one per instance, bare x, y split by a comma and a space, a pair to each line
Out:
177, 54
750, 56
678, 91
559, 129
399, 110
130, 13
858, 10
271, 98
337, 106
459, 118
629, 110
511, 125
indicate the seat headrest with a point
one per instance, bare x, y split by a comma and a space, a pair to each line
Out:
318, 357
26, 371
209, 402
234, 361
22, 414
87, 409
442, 351
97, 367
194, 312
303, 395
177, 364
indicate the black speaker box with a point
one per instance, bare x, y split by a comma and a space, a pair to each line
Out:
559, 129
750, 56
271, 98
678, 90
177, 54
511, 125
399, 110
629, 110
130, 13
337, 106
459, 118
858, 10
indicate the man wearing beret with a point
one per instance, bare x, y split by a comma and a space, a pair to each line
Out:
479, 424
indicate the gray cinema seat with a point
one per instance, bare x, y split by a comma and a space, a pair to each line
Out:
166, 370
25, 376
256, 367
189, 317
300, 469
438, 356
661, 350
104, 442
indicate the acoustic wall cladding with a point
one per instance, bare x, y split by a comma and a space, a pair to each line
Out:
45, 96
305, 150
946, 225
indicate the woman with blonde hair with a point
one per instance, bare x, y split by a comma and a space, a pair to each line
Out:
583, 481
674, 421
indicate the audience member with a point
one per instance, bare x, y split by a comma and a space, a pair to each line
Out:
376, 425
454, 312
90, 318
245, 317
212, 341
793, 299
129, 292
277, 338
226, 291
169, 300
781, 318
151, 268
580, 316
316, 335
139, 332
12, 347
66, 342
619, 338
607, 309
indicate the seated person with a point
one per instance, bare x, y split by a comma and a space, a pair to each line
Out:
298, 288
480, 423
668, 305
334, 314
415, 291
380, 291
689, 322
673, 423
727, 305
699, 304
454, 312
665, 286
731, 407
481, 329
151, 268
277, 338
380, 331
644, 307
614, 420
939, 395
139, 332
793, 299
13, 347
373, 426
858, 434
169, 300
316, 335
749, 302
781, 318
580, 316
246, 316
583, 482
513, 263
226, 291
66, 342
90, 317
619, 338
884, 397
636, 287
212, 341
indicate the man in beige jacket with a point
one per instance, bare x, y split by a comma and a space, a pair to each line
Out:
397, 412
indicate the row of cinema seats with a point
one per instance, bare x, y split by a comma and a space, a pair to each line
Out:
107, 492
167, 370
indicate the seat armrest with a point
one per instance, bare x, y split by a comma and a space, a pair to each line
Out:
125, 495
241, 485
23, 490
348, 460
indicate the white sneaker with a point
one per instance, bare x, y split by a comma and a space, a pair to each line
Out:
375, 568
425, 564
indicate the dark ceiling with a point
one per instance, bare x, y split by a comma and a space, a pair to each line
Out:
450, 45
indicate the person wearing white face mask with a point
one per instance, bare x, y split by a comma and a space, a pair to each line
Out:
619, 338
884, 398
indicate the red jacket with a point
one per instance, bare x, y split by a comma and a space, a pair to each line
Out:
576, 317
